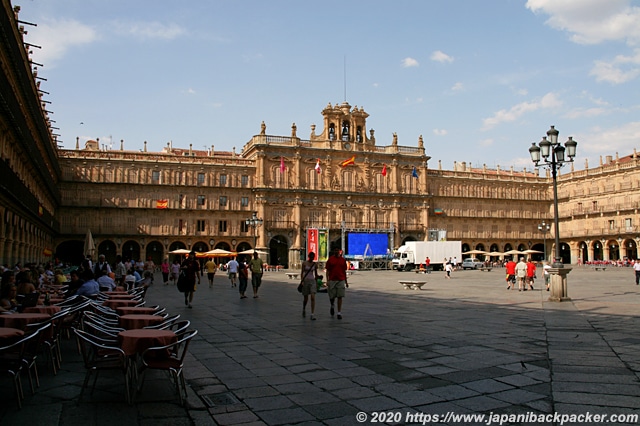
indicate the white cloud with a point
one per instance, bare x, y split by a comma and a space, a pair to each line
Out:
622, 139
56, 37
585, 113
440, 132
441, 57
550, 100
486, 142
592, 21
410, 62
149, 30
620, 70
458, 87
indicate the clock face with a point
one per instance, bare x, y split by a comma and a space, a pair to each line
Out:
347, 146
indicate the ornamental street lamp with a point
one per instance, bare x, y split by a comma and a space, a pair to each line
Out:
544, 228
254, 221
553, 158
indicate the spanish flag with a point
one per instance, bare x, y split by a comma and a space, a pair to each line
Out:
351, 160
162, 204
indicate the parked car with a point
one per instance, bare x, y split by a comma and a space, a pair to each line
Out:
472, 263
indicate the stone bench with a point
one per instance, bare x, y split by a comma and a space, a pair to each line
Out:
412, 285
423, 271
486, 268
292, 275
597, 268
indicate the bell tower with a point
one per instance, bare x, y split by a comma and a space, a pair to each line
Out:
345, 127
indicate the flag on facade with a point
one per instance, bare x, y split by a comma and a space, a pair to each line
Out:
384, 170
414, 173
351, 160
282, 166
162, 204
438, 211
318, 168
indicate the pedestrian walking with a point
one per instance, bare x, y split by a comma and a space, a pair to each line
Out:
175, 271
243, 278
191, 268
232, 271
211, 271
636, 267
531, 273
336, 280
164, 267
309, 274
521, 274
257, 269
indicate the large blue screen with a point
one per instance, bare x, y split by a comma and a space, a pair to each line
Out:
357, 243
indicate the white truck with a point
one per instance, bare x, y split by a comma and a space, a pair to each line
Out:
414, 253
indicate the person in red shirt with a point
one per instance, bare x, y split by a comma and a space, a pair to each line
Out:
531, 273
511, 273
336, 279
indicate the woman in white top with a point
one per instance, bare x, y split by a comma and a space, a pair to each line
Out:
309, 274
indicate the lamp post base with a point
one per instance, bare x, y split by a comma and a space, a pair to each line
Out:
558, 280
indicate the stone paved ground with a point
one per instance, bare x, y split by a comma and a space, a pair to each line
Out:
463, 346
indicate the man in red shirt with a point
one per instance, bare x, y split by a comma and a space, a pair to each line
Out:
531, 273
336, 279
511, 273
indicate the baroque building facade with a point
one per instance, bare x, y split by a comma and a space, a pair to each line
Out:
141, 204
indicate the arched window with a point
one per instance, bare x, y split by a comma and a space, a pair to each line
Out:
345, 131
332, 132
359, 134
314, 181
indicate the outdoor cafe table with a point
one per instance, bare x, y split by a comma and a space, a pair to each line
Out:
20, 321
42, 309
133, 321
128, 310
137, 341
112, 295
8, 335
114, 303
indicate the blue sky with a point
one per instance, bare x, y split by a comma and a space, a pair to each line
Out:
480, 80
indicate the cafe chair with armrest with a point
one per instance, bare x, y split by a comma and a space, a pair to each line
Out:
44, 331
180, 327
100, 357
12, 362
169, 358
168, 322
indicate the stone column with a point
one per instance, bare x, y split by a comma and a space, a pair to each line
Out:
558, 280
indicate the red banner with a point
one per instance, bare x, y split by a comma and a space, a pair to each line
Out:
162, 204
312, 241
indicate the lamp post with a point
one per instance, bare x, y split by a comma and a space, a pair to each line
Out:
553, 158
544, 228
254, 221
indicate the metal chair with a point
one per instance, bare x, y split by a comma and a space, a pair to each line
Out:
169, 358
12, 362
100, 357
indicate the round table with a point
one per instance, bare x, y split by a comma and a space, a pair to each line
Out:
136, 341
42, 309
114, 303
124, 296
127, 310
8, 335
20, 321
133, 321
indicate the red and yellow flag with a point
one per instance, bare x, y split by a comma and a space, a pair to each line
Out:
162, 204
351, 160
